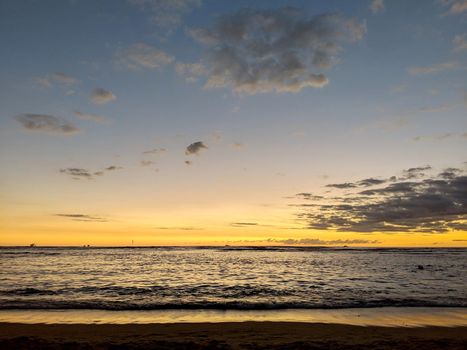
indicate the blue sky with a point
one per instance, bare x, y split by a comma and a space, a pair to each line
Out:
389, 94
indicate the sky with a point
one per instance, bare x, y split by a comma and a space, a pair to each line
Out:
208, 122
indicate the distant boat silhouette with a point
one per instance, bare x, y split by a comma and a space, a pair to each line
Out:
32, 245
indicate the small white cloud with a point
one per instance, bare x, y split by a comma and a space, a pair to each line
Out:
237, 145
460, 42
434, 68
64, 79
91, 117
191, 71
59, 78
147, 162
101, 96
455, 6
377, 6
167, 13
142, 56
43, 82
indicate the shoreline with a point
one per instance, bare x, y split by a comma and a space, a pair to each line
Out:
228, 335
382, 317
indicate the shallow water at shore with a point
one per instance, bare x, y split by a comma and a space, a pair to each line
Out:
387, 317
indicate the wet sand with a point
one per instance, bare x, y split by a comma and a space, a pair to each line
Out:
228, 335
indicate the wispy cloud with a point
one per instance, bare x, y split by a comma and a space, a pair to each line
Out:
455, 6
460, 42
404, 118
46, 123
64, 79
441, 137
181, 228
81, 173
167, 14
101, 96
244, 224
195, 148
377, 6
283, 50
237, 145
77, 173
83, 217
141, 56
145, 162
434, 68
156, 151
191, 71
91, 117
58, 78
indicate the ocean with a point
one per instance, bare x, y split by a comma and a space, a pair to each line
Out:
230, 278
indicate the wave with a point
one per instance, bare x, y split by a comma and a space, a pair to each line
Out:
125, 306
159, 291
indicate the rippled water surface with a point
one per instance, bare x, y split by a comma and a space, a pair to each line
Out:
226, 278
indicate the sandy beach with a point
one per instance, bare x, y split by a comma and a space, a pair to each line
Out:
237, 335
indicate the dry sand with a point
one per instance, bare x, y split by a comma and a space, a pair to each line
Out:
238, 335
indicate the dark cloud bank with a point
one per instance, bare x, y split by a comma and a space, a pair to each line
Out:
413, 202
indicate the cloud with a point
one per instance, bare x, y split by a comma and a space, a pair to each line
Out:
57, 77
377, 6
434, 68
440, 137
147, 162
309, 196
191, 71
437, 109
415, 173
155, 151
195, 148
64, 79
243, 224
101, 96
183, 228
113, 168
308, 241
317, 241
81, 173
283, 50
362, 183
460, 42
46, 123
91, 117
412, 203
82, 217
455, 6
237, 145
167, 13
77, 173
141, 56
